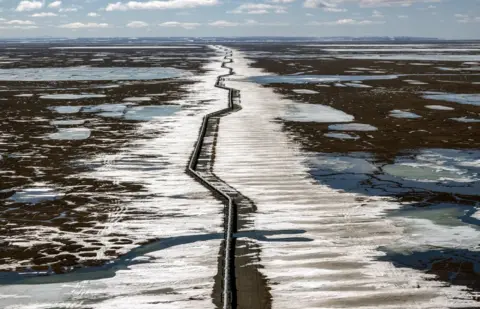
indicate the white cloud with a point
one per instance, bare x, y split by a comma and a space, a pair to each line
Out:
19, 27
313, 4
465, 19
29, 6
179, 24
44, 14
334, 10
281, 1
251, 22
383, 3
55, 4
247, 22
327, 6
258, 8
347, 21
68, 10
137, 24
377, 14
19, 22
223, 23
79, 25
159, 5
93, 14
402, 16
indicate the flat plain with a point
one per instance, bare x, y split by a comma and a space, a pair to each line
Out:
357, 166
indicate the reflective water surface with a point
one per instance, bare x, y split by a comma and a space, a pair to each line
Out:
300, 79
88, 73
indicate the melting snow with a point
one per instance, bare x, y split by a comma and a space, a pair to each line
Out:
470, 99
302, 112
66, 96
440, 107
304, 91
70, 134
396, 113
352, 127
89, 73
341, 136
36, 194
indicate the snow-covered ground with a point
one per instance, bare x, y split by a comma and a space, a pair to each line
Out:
339, 267
186, 216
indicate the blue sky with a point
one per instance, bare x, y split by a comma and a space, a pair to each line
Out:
453, 19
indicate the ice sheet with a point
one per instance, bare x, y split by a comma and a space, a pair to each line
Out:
302, 112
352, 127
89, 73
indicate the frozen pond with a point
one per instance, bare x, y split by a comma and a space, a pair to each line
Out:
126, 110
302, 112
71, 122
404, 114
305, 91
66, 96
440, 107
24, 95
341, 136
357, 85
475, 68
428, 171
442, 214
89, 73
470, 99
443, 166
36, 194
466, 119
146, 113
302, 79
105, 108
107, 86
138, 99
111, 114
70, 134
130, 47
414, 82
352, 127
66, 109
432, 50
406, 56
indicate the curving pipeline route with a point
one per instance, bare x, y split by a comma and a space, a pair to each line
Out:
239, 283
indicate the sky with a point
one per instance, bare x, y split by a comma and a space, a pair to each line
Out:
449, 19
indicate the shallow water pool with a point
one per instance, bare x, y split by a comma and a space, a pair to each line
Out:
352, 127
70, 134
470, 99
146, 113
301, 79
302, 112
89, 73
